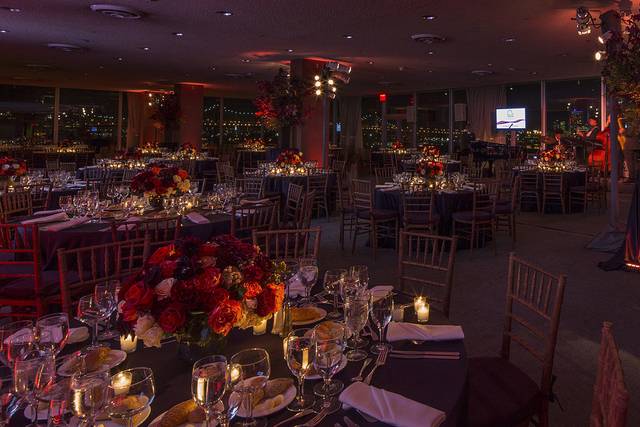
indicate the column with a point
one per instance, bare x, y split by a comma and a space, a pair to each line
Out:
190, 99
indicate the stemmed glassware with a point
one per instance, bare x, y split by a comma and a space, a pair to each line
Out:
6, 332
361, 274
309, 276
20, 345
328, 357
332, 284
249, 371
106, 296
209, 379
130, 392
381, 312
300, 358
88, 395
8, 399
30, 375
52, 332
356, 314
90, 313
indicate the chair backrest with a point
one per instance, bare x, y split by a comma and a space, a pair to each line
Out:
343, 200
16, 203
483, 202
251, 187
158, 231
92, 265
40, 194
92, 173
226, 174
426, 263
128, 174
532, 314
293, 204
384, 174
362, 194
246, 219
319, 183
418, 205
290, 243
552, 182
68, 166
340, 167
610, 395
487, 186
305, 214
52, 164
529, 182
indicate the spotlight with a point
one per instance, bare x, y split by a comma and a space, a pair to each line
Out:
584, 20
331, 82
333, 89
318, 92
605, 37
317, 83
316, 77
599, 55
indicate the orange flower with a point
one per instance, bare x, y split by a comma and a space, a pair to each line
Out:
252, 290
225, 316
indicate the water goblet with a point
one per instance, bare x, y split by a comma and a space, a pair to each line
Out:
88, 395
328, 358
308, 274
332, 284
381, 312
90, 313
249, 372
130, 393
361, 274
300, 356
106, 297
356, 314
26, 374
52, 332
6, 332
9, 402
209, 379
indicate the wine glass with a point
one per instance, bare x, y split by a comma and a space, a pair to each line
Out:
332, 284
328, 358
106, 296
381, 312
299, 356
309, 276
249, 370
90, 313
6, 331
26, 379
361, 274
9, 402
52, 332
209, 378
130, 393
223, 414
356, 314
20, 344
88, 395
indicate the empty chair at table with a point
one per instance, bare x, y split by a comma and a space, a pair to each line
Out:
293, 206
289, 243
252, 187
81, 269
610, 395
593, 190
425, 267
40, 194
480, 220
344, 205
501, 393
385, 174
159, 231
305, 214
376, 223
226, 174
246, 219
15, 203
506, 210
553, 191
530, 189
319, 183
419, 212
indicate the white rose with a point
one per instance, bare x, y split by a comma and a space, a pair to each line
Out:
152, 336
163, 289
143, 324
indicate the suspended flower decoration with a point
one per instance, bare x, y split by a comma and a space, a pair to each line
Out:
280, 101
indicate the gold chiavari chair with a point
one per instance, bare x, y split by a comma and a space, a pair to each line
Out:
373, 222
158, 231
319, 184
478, 221
530, 189
226, 174
289, 243
258, 217
293, 205
305, 214
506, 211
344, 204
418, 212
592, 191
501, 393
251, 187
40, 194
16, 203
384, 174
553, 190
425, 267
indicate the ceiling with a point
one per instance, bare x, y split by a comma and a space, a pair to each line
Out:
214, 48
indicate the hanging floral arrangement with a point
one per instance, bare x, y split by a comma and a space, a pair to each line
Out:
166, 111
279, 103
621, 70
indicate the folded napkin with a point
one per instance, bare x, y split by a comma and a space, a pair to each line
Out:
391, 408
296, 288
380, 291
197, 218
61, 216
67, 224
52, 211
399, 331
388, 189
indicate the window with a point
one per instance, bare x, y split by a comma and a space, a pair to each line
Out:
26, 113
527, 96
211, 120
398, 128
371, 122
240, 121
433, 118
88, 117
570, 103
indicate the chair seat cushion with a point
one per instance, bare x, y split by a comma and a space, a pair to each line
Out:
500, 394
23, 288
504, 208
415, 218
469, 216
378, 214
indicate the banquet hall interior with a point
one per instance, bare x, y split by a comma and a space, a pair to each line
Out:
320, 213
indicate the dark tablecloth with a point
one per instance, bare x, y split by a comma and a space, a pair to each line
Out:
571, 179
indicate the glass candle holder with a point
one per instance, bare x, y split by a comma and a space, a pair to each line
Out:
128, 343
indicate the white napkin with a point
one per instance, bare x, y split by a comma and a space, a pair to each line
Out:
67, 224
49, 218
197, 218
380, 291
391, 408
296, 288
52, 211
399, 331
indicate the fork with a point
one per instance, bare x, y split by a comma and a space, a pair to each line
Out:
381, 360
319, 417
364, 365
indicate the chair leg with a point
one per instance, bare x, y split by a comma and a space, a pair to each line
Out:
342, 231
494, 236
513, 228
472, 240
374, 238
355, 235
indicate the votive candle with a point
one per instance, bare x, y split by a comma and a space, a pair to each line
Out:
398, 313
121, 383
260, 328
423, 313
128, 343
418, 302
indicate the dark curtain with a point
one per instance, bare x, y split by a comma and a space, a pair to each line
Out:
629, 252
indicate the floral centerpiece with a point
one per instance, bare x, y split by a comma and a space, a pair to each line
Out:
280, 103
254, 144
200, 291
289, 158
187, 151
159, 181
431, 151
10, 167
429, 168
149, 148
397, 146
554, 159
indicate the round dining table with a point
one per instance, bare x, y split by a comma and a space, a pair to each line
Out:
441, 384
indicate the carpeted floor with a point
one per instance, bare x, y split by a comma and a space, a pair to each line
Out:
557, 243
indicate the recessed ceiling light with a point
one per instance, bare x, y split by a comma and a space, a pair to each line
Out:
430, 52
213, 68
116, 11
429, 71
178, 34
510, 39
511, 69
224, 12
348, 36
246, 60
489, 64
4, 31
12, 9
146, 48
65, 47
370, 62
290, 50
533, 73
429, 17
119, 59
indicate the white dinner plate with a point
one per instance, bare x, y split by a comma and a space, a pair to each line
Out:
157, 419
321, 314
343, 364
288, 397
43, 413
114, 358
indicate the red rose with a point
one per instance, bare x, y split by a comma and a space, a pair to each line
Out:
183, 174
172, 318
270, 300
215, 298
161, 254
139, 296
129, 313
222, 319
210, 278
253, 273
252, 290
168, 268
207, 249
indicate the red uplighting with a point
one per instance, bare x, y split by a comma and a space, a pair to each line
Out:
382, 97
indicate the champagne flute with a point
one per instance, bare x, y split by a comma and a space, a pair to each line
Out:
249, 370
300, 356
381, 312
356, 314
89, 313
309, 276
53, 332
209, 378
332, 284
130, 393
328, 358
88, 395
6, 331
